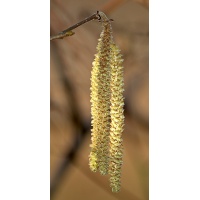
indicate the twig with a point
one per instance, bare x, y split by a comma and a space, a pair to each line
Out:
61, 35
69, 32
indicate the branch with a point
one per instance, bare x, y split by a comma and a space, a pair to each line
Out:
69, 32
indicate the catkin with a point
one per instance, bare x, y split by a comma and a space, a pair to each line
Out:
100, 100
107, 107
117, 118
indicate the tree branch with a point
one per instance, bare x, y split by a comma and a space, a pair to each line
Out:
69, 32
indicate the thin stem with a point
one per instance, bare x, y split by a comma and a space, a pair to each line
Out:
69, 32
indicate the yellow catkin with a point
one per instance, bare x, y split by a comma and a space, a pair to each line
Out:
100, 101
117, 118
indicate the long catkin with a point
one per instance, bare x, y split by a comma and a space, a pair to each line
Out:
117, 119
100, 100
107, 111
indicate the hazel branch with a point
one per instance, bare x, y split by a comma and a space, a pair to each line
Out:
69, 32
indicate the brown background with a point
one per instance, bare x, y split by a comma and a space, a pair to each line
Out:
71, 58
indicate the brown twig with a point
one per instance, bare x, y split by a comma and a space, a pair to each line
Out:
69, 32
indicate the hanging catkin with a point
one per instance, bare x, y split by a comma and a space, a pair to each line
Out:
107, 107
100, 100
117, 118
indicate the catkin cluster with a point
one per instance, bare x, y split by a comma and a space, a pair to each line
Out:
107, 107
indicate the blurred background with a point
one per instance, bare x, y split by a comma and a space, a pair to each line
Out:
70, 118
